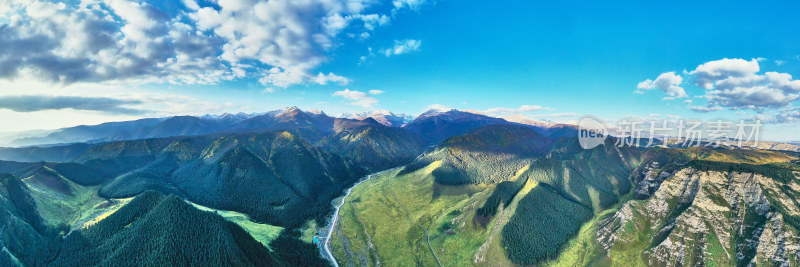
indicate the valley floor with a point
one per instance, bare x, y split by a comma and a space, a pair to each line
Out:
385, 220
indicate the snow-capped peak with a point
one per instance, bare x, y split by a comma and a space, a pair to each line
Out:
523, 119
435, 111
316, 112
383, 116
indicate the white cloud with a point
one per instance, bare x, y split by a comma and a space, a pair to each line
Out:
710, 72
371, 21
289, 36
402, 47
787, 116
281, 42
779, 62
105, 41
704, 109
190, 4
34, 103
410, 4
521, 109
330, 77
669, 82
736, 84
75, 104
731, 83
359, 98
375, 92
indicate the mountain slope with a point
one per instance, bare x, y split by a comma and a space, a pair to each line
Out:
435, 126
382, 116
158, 229
309, 125
59, 153
152, 229
24, 238
138, 129
375, 146
85, 133
705, 214
484, 198
18, 201
486, 155
276, 177
180, 126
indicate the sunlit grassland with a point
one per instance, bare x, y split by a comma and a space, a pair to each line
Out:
102, 211
263, 233
349, 242
495, 252
308, 231
395, 238
374, 212
738, 156
71, 209
583, 249
717, 256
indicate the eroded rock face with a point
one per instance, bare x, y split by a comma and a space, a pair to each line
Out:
695, 218
652, 180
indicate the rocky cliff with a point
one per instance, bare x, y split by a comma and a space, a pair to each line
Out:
693, 217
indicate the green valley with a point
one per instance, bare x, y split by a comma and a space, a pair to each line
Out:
552, 204
491, 193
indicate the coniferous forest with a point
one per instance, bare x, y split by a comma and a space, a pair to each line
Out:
522, 195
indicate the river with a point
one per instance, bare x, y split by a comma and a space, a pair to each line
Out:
325, 244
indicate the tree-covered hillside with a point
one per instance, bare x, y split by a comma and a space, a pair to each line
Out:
487, 155
506, 195
152, 229
275, 177
499, 194
375, 146
436, 126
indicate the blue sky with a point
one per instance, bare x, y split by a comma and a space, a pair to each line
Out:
576, 57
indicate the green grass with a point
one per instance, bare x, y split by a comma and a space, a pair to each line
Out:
496, 253
633, 238
738, 156
66, 210
584, 250
263, 233
308, 231
716, 198
375, 211
101, 211
396, 239
716, 255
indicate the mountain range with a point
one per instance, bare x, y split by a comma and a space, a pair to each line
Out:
453, 188
286, 118
383, 116
505, 195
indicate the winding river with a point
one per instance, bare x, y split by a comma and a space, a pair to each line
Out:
325, 244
